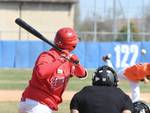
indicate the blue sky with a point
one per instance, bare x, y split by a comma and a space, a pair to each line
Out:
130, 7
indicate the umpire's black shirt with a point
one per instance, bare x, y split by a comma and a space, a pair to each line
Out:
101, 99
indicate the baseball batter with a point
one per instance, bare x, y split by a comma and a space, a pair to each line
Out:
51, 73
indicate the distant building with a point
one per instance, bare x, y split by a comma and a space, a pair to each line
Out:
47, 16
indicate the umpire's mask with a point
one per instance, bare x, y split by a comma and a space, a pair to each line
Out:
105, 76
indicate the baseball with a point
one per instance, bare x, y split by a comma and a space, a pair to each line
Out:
143, 51
109, 55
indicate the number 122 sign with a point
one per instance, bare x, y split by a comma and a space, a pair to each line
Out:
126, 55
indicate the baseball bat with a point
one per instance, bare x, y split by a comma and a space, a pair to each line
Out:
33, 31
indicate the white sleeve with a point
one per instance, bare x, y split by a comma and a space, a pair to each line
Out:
109, 63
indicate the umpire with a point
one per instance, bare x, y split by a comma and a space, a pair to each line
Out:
103, 96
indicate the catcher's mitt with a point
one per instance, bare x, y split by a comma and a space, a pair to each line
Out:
141, 107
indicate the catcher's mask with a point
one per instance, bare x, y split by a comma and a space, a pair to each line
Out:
141, 107
105, 76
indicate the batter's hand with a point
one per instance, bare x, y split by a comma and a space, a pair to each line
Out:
74, 59
65, 53
70, 57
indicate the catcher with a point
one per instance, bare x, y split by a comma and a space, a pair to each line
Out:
51, 73
134, 74
103, 96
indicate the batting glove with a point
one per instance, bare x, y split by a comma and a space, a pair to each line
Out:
65, 53
74, 59
70, 57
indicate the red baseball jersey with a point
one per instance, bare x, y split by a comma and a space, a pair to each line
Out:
50, 77
137, 72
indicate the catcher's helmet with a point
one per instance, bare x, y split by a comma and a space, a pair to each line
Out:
66, 38
105, 76
141, 107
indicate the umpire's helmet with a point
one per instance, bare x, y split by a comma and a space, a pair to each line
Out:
105, 76
141, 107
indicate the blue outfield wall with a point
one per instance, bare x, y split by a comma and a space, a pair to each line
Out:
22, 54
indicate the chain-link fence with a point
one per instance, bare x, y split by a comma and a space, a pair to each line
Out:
109, 36
84, 36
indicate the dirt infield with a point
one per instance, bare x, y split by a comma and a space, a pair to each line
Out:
14, 95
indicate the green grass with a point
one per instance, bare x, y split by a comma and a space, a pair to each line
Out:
18, 79
125, 86
14, 78
15, 74
76, 83
64, 107
8, 107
